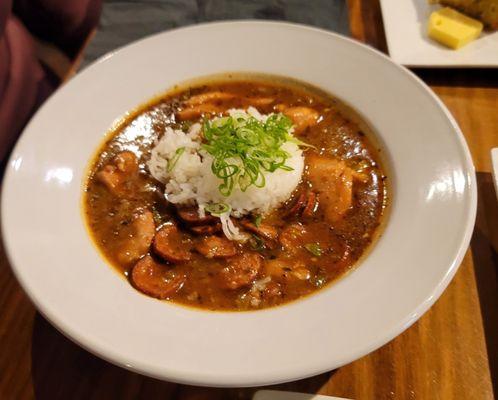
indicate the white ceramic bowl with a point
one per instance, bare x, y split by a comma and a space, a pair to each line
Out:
432, 214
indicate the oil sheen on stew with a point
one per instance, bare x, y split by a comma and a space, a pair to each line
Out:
153, 232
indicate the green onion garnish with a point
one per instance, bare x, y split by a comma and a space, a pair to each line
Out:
171, 164
257, 220
313, 248
217, 209
256, 243
243, 148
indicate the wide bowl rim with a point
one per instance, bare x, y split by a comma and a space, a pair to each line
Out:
207, 379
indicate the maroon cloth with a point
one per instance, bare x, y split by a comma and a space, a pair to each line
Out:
65, 23
24, 82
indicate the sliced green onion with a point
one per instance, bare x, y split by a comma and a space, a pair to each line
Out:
171, 164
257, 220
217, 209
313, 248
256, 243
243, 148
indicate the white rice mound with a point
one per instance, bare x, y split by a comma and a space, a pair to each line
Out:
191, 180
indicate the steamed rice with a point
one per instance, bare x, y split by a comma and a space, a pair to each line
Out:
191, 180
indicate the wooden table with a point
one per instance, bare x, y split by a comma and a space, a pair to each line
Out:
450, 353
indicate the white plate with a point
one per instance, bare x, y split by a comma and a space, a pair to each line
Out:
405, 24
432, 214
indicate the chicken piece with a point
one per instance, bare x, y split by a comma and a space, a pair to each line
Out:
155, 279
122, 169
360, 176
272, 290
241, 270
137, 238
286, 269
263, 230
333, 181
209, 97
171, 245
305, 204
126, 162
198, 111
291, 237
216, 247
302, 117
259, 101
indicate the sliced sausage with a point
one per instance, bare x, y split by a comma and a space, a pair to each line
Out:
139, 235
311, 205
155, 279
123, 168
306, 204
171, 245
191, 216
206, 229
241, 270
298, 205
264, 230
216, 247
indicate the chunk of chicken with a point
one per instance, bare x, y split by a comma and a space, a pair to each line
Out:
216, 247
122, 169
333, 181
195, 112
272, 290
209, 97
291, 237
241, 270
139, 235
287, 269
217, 97
171, 245
302, 117
155, 279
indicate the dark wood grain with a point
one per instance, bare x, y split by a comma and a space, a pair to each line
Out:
450, 353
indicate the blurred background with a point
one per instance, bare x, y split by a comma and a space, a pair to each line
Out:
44, 42
125, 21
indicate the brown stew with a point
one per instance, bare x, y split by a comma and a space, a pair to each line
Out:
169, 252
